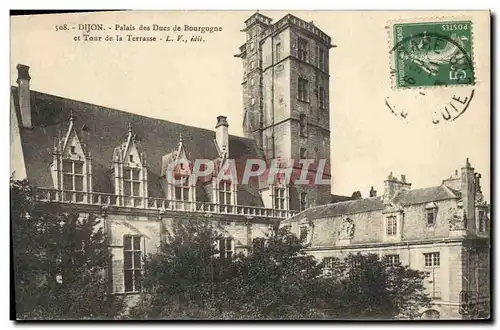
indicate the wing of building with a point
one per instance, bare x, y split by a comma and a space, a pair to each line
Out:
443, 230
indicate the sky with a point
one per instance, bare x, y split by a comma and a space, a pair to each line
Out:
193, 83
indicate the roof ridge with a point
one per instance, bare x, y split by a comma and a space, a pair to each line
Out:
15, 88
450, 191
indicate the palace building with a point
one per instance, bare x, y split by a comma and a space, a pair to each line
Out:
115, 164
443, 230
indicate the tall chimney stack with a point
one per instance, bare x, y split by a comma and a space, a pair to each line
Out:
468, 189
222, 136
23, 82
392, 186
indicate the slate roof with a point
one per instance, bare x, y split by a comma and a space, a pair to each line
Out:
107, 128
424, 195
403, 198
339, 198
341, 208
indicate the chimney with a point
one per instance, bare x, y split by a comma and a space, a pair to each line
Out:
373, 192
23, 82
356, 195
221, 135
392, 186
467, 187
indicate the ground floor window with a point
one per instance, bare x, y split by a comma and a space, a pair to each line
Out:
132, 255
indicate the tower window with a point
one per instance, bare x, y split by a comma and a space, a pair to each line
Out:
252, 65
252, 81
302, 49
252, 45
322, 97
252, 101
482, 222
321, 59
278, 51
303, 125
303, 201
72, 149
303, 153
131, 157
303, 90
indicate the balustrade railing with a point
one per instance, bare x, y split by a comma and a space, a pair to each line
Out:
152, 203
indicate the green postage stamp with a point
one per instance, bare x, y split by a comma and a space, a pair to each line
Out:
432, 54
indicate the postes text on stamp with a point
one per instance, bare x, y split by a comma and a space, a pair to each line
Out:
433, 54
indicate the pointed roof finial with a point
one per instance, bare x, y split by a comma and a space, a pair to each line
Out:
467, 164
129, 127
71, 117
180, 140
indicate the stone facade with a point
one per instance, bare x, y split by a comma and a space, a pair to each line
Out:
414, 226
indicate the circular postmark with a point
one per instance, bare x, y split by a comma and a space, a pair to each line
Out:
433, 70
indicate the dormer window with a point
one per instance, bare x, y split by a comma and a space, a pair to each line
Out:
72, 175
180, 185
130, 172
225, 193
431, 213
431, 218
392, 226
280, 198
182, 191
131, 182
71, 168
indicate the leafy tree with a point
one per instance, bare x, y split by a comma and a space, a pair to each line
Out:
276, 280
183, 278
60, 261
367, 287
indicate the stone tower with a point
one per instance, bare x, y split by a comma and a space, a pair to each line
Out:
286, 96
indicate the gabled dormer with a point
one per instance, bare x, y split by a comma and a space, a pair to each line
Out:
129, 171
71, 167
176, 171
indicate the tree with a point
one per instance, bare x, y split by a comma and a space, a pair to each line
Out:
368, 287
275, 280
60, 261
183, 278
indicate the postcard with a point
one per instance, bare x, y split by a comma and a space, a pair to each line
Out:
251, 165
